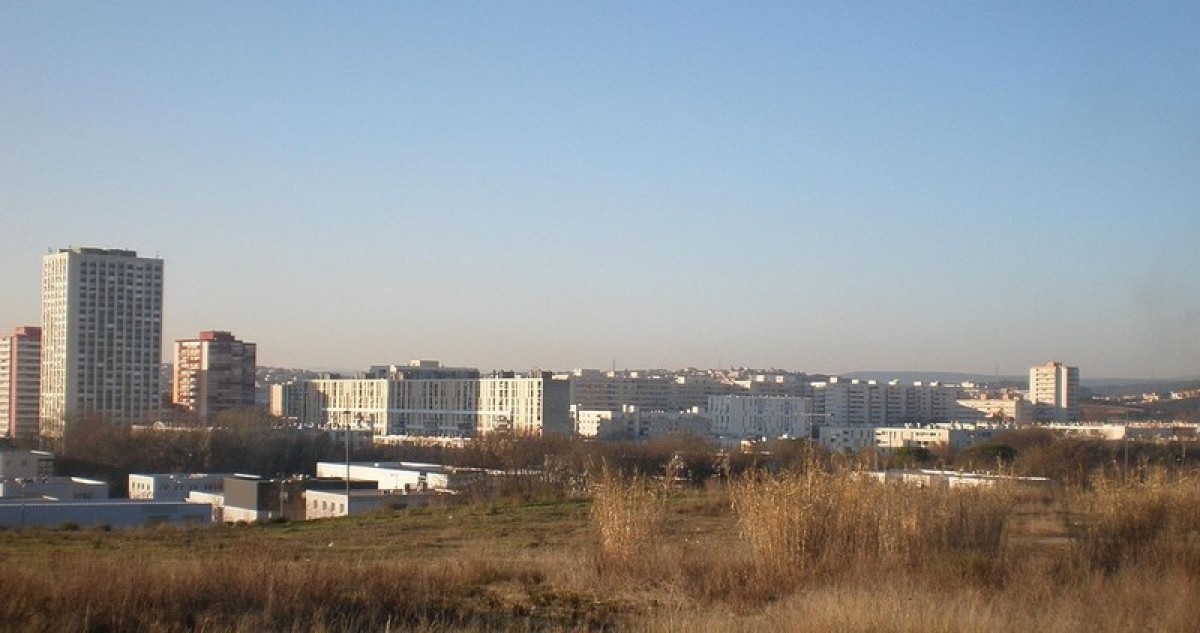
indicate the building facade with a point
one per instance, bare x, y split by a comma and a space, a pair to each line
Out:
1054, 392
873, 403
101, 336
213, 373
753, 417
20, 383
455, 406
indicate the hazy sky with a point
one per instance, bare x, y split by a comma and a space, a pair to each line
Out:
824, 187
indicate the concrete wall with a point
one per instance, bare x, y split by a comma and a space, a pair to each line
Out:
117, 514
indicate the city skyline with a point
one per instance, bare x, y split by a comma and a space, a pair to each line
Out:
824, 189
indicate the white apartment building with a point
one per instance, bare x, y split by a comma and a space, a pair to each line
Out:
436, 407
1054, 391
525, 406
20, 383
101, 336
752, 417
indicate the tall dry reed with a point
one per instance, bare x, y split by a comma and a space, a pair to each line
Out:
1147, 515
802, 524
629, 514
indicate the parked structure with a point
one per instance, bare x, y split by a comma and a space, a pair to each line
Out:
54, 488
116, 513
25, 464
175, 486
952, 479
404, 475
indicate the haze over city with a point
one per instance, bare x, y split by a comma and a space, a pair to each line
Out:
826, 189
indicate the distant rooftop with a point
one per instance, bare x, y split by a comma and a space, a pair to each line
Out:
90, 250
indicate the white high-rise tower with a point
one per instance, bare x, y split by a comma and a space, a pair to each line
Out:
1054, 392
101, 336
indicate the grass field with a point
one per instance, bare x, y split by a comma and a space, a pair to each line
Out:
808, 551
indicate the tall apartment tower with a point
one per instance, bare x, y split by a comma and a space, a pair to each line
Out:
1054, 392
214, 373
101, 336
20, 383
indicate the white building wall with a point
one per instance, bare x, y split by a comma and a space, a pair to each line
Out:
402, 475
760, 416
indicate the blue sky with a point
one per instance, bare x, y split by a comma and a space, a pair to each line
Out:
823, 187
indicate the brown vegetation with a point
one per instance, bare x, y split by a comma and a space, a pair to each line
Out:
812, 548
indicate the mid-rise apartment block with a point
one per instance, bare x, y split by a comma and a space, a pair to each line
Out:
1054, 392
459, 405
101, 336
213, 373
20, 383
748, 417
872, 403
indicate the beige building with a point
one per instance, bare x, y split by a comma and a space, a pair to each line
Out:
1017, 411
953, 436
20, 383
101, 336
213, 373
1054, 392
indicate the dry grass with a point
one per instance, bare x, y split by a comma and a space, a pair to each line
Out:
810, 524
629, 514
1116, 521
818, 551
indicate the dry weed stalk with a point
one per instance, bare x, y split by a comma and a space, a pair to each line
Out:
630, 514
1122, 518
801, 524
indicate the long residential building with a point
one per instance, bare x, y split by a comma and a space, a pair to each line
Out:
101, 336
872, 403
392, 403
20, 383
